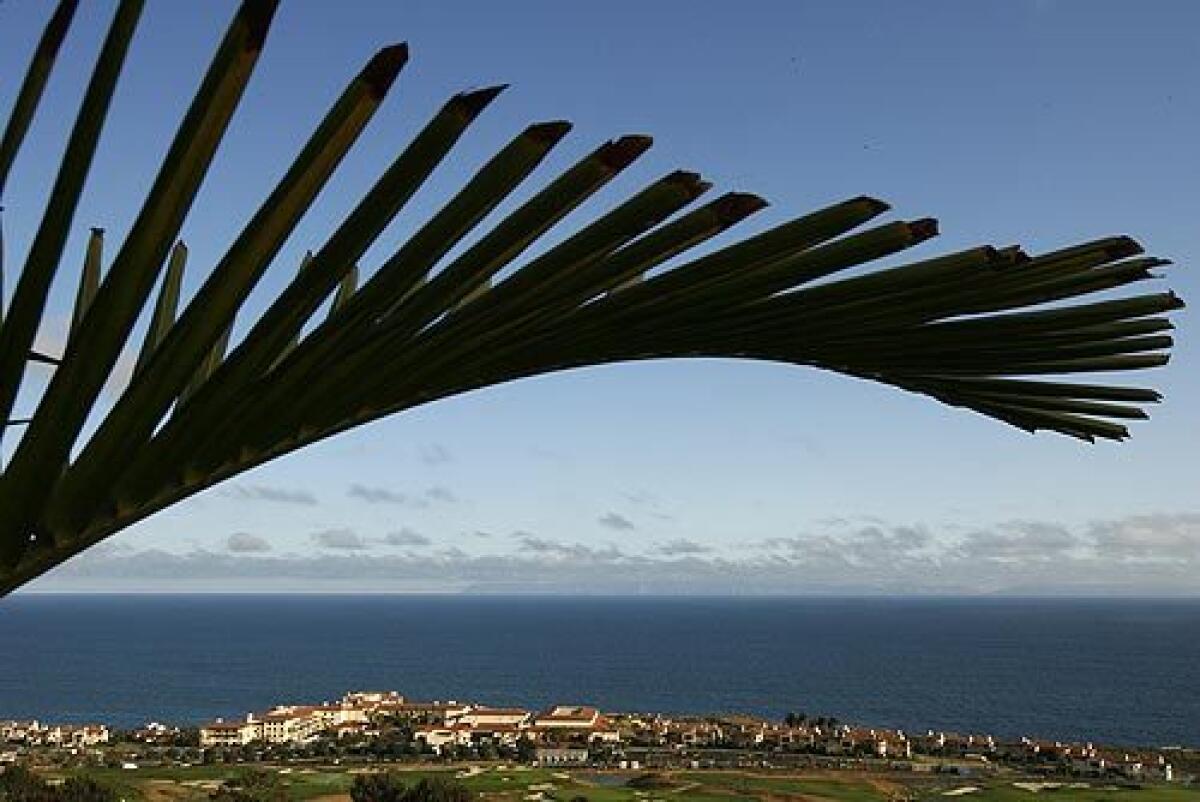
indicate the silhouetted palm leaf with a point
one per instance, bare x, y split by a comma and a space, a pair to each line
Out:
960, 328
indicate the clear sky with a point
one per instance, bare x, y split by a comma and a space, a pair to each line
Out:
1043, 122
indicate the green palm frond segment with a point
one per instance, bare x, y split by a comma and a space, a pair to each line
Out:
994, 330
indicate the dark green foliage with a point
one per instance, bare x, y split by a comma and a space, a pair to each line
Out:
85, 789
437, 789
384, 786
251, 785
988, 329
650, 781
390, 786
19, 784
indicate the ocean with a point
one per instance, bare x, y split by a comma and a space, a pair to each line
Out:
1123, 671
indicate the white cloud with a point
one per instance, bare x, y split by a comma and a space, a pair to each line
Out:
406, 537
612, 520
384, 495
682, 546
279, 495
377, 495
346, 539
1137, 555
246, 543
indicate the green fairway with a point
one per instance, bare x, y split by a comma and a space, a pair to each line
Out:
506, 783
1095, 792
729, 783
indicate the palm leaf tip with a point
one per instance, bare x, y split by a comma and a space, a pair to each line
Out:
736, 206
622, 152
473, 101
547, 133
689, 180
923, 229
381, 71
873, 205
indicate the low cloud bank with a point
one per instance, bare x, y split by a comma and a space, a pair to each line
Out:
1149, 555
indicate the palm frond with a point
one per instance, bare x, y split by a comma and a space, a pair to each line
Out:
988, 329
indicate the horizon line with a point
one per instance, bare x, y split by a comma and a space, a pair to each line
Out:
1191, 596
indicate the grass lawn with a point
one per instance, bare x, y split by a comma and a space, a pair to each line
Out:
516, 784
735, 783
1096, 792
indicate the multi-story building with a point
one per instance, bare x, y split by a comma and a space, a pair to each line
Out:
479, 716
437, 738
568, 717
18, 731
435, 712
561, 756
291, 724
34, 733
574, 722
330, 716
231, 733
75, 735
155, 733
499, 734
367, 698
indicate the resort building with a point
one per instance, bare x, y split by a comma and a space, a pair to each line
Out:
437, 712
332, 715
18, 731
568, 717
231, 733
437, 738
76, 735
154, 733
372, 699
498, 734
33, 733
561, 756
291, 724
491, 716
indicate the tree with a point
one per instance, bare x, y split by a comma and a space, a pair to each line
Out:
188, 736
201, 408
19, 784
526, 750
437, 789
85, 789
384, 786
251, 785
390, 787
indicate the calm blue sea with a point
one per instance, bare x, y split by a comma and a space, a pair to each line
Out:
1115, 671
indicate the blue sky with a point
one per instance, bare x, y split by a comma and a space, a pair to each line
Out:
1037, 122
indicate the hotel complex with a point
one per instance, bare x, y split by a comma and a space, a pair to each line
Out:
438, 724
576, 734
